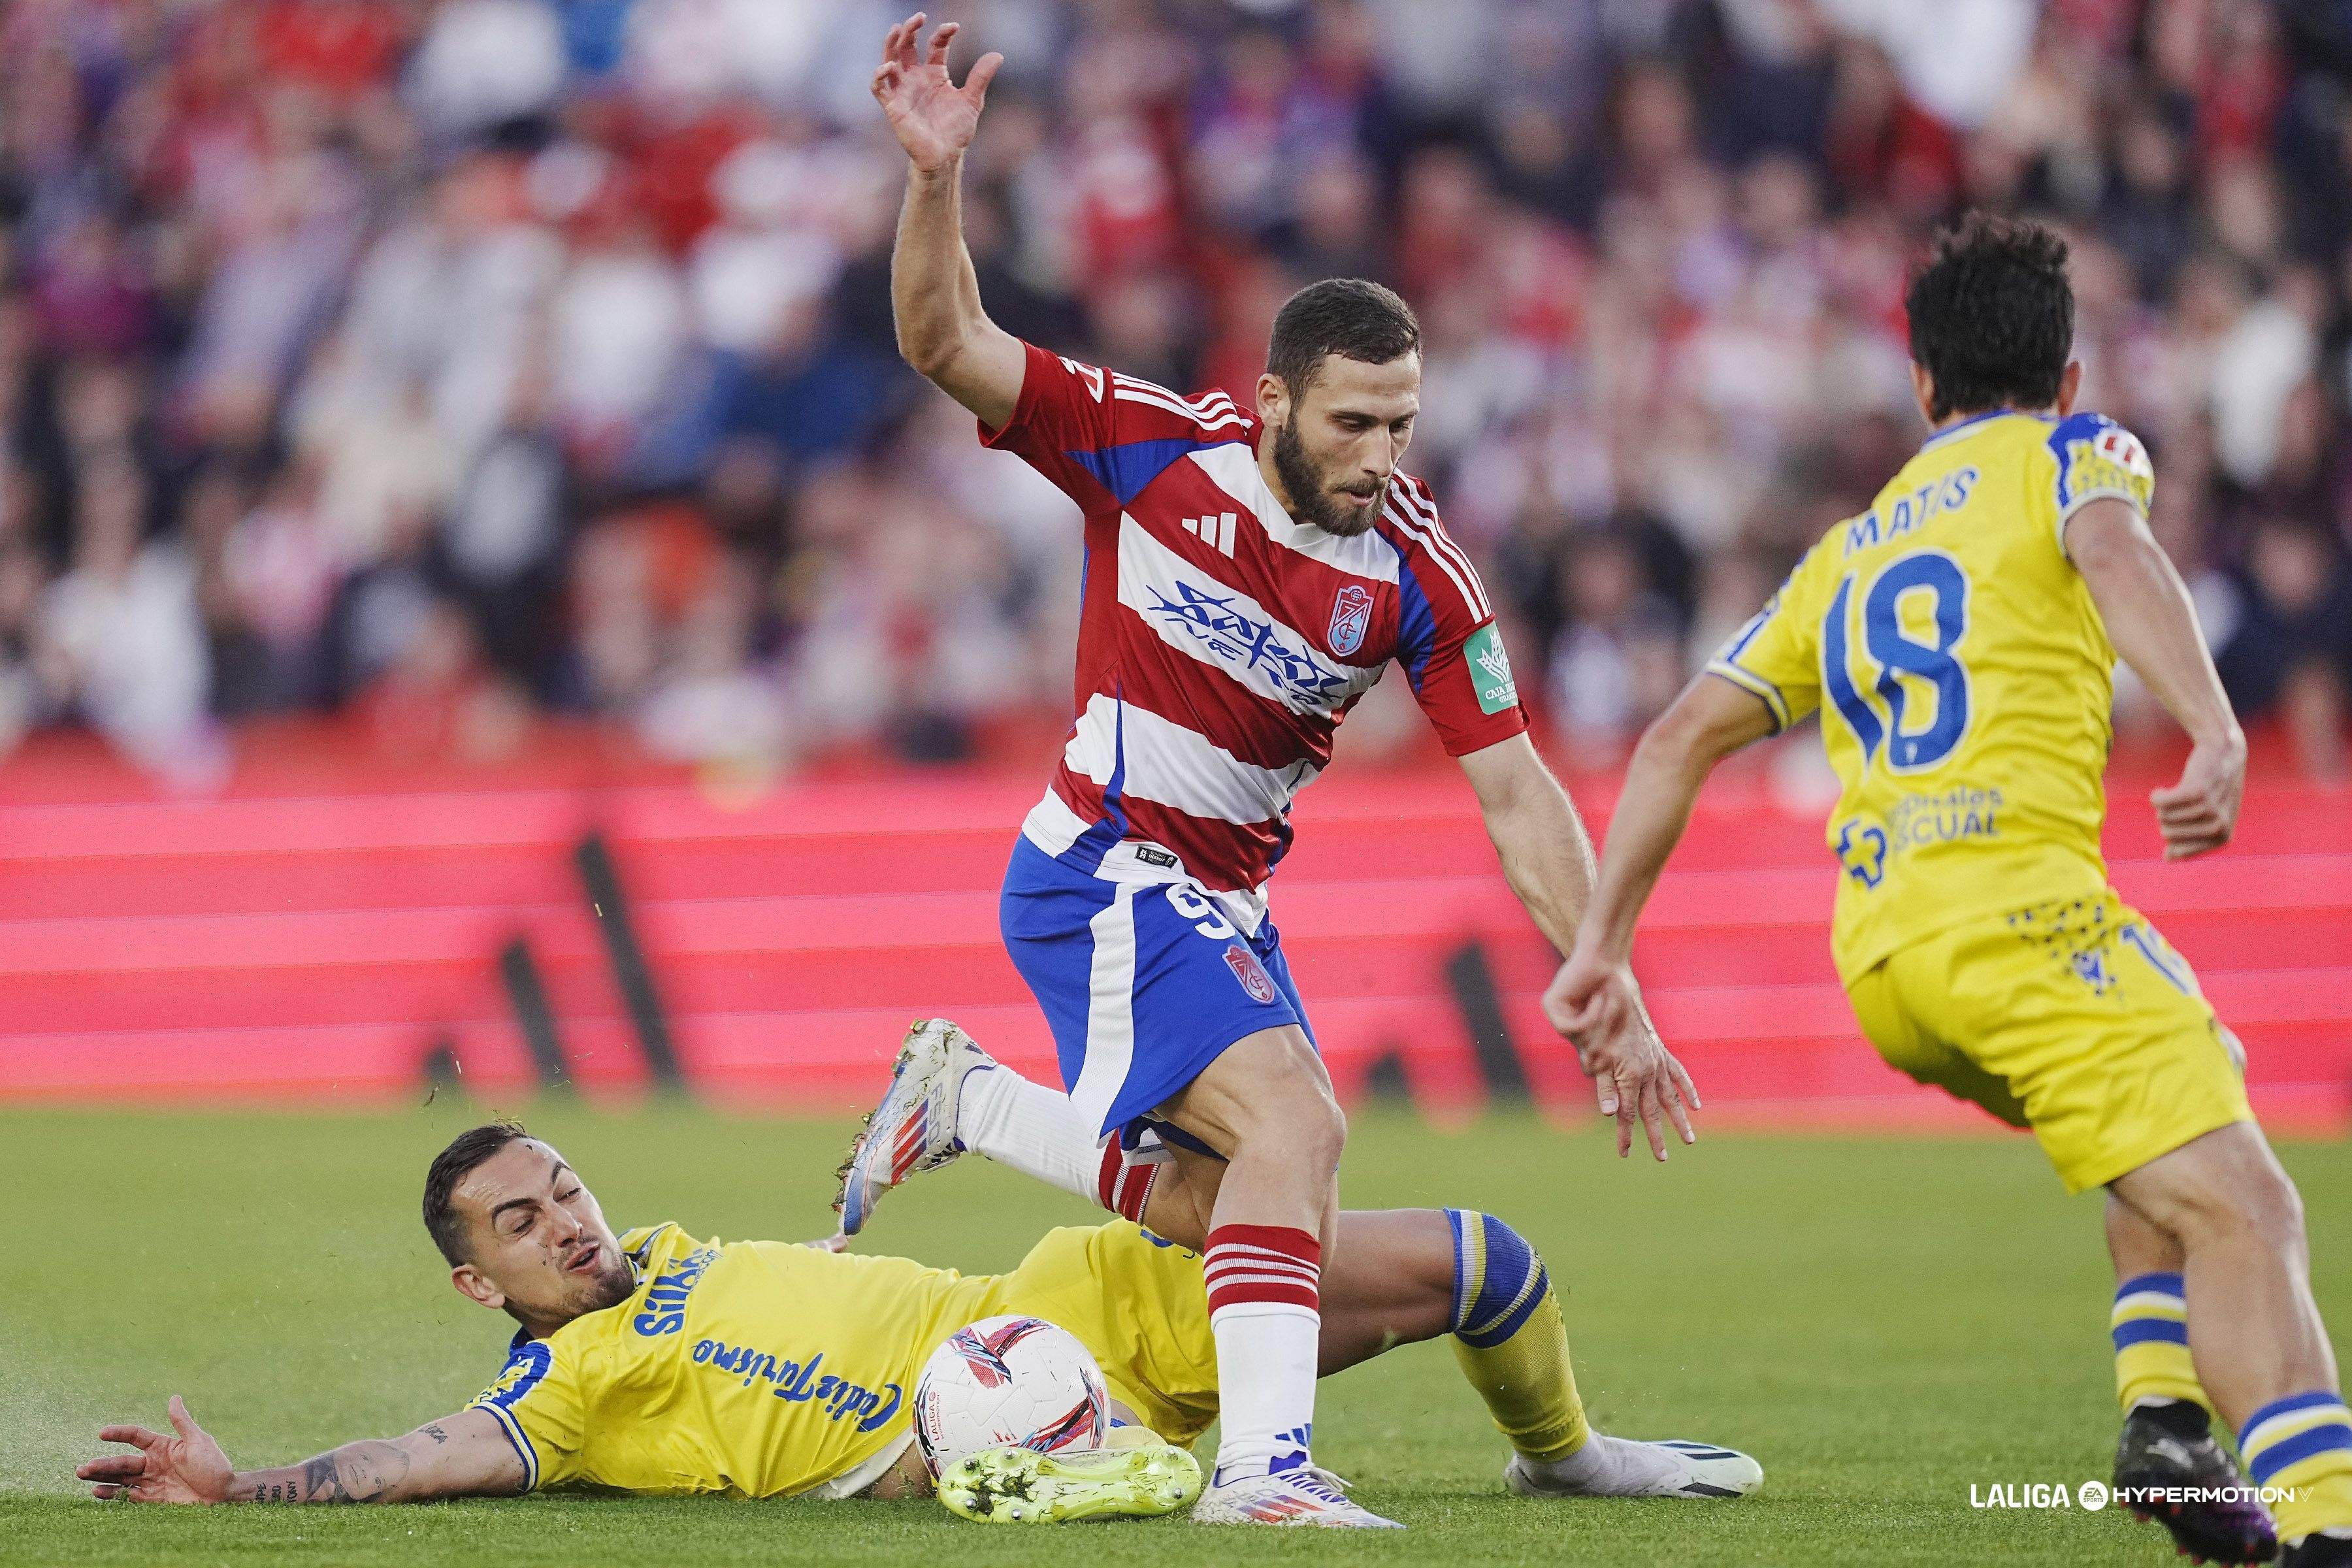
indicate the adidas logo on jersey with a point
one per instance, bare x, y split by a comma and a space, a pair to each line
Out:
1214, 531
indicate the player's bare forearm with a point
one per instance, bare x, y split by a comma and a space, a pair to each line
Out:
934, 293
2150, 617
1538, 835
1707, 722
464, 1455
376, 1471
2152, 623
943, 331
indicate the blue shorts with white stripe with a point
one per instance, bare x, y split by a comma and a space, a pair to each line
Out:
1143, 982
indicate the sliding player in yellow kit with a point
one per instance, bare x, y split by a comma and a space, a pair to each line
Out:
658, 1363
1959, 639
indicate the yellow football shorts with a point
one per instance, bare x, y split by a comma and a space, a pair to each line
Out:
1140, 1304
2073, 1017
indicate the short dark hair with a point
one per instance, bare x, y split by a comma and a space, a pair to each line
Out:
449, 1167
1354, 317
1992, 316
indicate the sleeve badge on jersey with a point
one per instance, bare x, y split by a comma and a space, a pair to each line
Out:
526, 1368
1351, 613
1490, 669
2122, 448
2098, 456
1250, 972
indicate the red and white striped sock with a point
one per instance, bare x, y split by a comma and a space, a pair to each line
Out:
1123, 1181
1265, 1310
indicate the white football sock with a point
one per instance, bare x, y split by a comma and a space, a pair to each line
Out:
1265, 1383
1034, 1129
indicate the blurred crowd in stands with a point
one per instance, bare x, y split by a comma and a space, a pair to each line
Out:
449, 364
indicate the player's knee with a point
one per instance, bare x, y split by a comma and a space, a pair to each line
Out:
2256, 1200
1308, 1131
1319, 1128
2265, 1204
1289, 1102
2274, 1209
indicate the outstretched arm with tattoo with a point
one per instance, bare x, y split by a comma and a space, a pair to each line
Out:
465, 1454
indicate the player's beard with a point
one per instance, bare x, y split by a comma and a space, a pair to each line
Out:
1311, 496
615, 1282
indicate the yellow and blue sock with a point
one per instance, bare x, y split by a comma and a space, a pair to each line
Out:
1510, 1338
2150, 1326
2302, 1444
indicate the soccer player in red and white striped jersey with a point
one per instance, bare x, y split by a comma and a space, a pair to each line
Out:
1250, 572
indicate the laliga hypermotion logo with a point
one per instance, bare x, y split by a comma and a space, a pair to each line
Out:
1351, 613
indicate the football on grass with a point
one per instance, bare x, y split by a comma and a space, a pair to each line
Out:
1010, 1380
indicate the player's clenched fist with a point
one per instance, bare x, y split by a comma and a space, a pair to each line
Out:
2200, 811
935, 119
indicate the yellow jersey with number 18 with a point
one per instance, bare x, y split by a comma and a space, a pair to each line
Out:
1963, 675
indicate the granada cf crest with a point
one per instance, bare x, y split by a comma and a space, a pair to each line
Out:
1351, 612
1245, 966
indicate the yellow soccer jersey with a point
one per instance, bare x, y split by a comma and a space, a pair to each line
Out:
755, 1368
1964, 679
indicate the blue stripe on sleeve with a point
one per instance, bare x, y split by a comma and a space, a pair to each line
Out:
519, 1441
1748, 632
1775, 704
1416, 623
1126, 468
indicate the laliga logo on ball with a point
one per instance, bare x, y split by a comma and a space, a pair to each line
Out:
2092, 1495
1010, 1380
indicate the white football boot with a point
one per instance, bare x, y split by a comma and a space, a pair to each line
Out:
914, 1128
1619, 1466
1301, 1496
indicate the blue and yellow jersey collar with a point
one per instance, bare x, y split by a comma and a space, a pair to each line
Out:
1975, 421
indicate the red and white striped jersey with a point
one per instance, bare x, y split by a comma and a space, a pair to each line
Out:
1220, 642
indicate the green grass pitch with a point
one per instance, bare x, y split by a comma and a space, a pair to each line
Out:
1883, 1322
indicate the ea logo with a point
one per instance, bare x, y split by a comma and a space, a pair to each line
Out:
2092, 1495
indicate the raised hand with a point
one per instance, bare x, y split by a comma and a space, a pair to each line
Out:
189, 1468
935, 119
1597, 1004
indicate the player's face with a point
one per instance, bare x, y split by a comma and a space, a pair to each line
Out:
539, 1247
1337, 447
